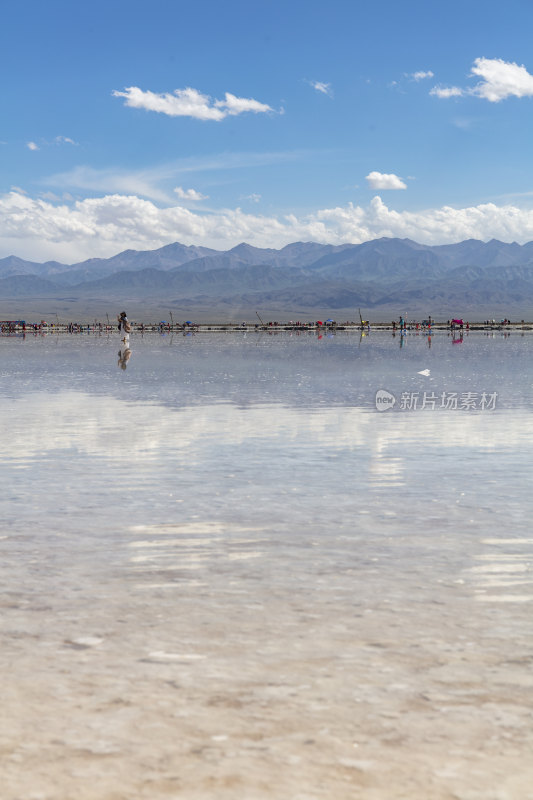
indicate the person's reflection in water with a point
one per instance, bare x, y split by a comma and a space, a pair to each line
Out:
124, 355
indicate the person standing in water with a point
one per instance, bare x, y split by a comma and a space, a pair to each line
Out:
124, 324
124, 353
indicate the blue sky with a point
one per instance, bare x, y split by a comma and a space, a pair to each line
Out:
135, 124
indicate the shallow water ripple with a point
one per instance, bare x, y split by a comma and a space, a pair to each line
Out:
211, 591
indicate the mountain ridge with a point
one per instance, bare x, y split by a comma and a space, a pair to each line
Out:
379, 272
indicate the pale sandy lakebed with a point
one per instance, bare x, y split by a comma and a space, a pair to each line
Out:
226, 575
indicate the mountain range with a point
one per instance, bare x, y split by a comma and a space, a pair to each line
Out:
381, 274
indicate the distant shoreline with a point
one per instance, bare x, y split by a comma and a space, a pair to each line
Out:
12, 327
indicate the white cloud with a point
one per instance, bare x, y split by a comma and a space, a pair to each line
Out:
238, 105
56, 140
445, 92
40, 230
190, 194
54, 198
380, 181
499, 80
422, 75
463, 123
253, 198
111, 180
190, 103
64, 140
148, 182
321, 86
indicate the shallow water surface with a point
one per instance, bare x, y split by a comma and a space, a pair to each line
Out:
226, 574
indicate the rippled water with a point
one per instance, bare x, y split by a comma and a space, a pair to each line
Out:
226, 574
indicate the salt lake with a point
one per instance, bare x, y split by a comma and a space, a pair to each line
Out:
230, 571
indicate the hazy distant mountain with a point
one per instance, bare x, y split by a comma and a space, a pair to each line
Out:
27, 286
213, 283
381, 260
383, 272
298, 254
168, 257
12, 265
328, 295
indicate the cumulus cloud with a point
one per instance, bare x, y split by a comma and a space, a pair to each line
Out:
190, 103
499, 80
422, 75
32, 146
253, 198
238, 105
190, 194
321, 86
380, 181
39, 229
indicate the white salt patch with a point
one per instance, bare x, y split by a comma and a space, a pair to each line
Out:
172, 542
500, 568
493, 583
87, 641
507, 541
167, 567
500, 557
162, 556
505, 598
169, 585
243, 556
